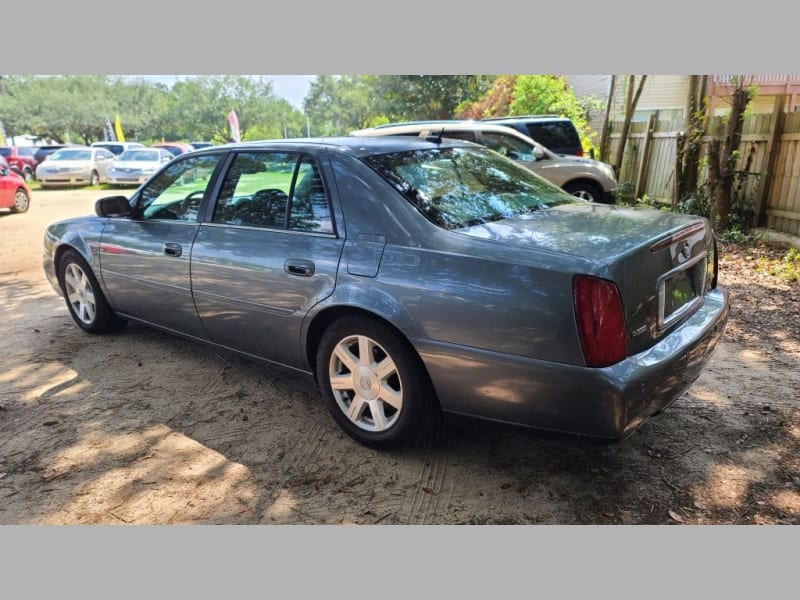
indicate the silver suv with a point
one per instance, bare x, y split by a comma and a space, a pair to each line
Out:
583, 177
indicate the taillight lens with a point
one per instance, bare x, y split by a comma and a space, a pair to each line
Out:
601, 323
579, 152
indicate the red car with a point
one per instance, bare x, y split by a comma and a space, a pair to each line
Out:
20, 159
14, 194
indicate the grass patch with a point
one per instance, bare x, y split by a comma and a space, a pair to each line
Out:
786, 268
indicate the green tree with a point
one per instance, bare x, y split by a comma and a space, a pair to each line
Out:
335, 105
550, 94
57, 107
511, 95
408, 97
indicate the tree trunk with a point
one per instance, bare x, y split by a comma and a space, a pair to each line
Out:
725, 162
630, 106
604, 136
689, 153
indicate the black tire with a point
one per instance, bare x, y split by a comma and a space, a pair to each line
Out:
21, 201
27, 175
395, 426
95, 178
584, 190
100, 320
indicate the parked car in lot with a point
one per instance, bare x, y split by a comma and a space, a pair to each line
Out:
40, 153
74, 166
136, 166
408, 277
176, 148
14, 194
199, 145
20, 160
117, 148
552, 131
583, 177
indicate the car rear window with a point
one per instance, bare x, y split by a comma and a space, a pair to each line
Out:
463, 187
554, 134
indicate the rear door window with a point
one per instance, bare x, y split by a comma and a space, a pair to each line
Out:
554, 134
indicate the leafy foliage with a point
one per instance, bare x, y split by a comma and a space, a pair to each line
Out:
532, 95
74, 108
407, 97
336, 105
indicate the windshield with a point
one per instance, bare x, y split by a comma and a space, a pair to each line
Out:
71, 155
140, 155
462, 187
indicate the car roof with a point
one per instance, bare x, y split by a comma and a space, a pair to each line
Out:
528, 118
357, 146
421, 126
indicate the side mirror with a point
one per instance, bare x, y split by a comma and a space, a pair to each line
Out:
112, 206
3, 171
538, 153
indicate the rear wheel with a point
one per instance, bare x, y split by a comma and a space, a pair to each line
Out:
373, 383
85, 300
21, 201
585, 191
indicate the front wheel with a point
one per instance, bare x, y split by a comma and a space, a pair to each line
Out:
85, 300
21, 201
373, 383
95, 178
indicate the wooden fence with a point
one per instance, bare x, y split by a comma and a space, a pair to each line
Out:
768, 163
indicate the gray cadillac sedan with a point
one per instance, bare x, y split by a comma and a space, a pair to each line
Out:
407, 276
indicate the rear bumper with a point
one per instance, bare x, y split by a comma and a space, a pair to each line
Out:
610, 402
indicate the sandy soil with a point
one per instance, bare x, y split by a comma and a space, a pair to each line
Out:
141, 427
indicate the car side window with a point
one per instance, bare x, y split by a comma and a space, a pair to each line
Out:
255, 192
310, 210
257, 189
468, 136
176, 192
508, 146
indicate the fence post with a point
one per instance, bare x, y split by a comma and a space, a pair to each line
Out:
773, 149
641, 179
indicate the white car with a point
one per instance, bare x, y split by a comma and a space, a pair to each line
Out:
582, 177
135, 166
74, 166
117, 148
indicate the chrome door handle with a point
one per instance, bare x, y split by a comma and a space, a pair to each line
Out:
171, 249
299, 267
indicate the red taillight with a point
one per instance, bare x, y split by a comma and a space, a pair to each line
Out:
579, 152
601, 324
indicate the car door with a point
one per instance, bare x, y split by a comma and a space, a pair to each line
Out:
269, 253
144, 259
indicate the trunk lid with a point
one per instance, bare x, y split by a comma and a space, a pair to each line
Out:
661, 262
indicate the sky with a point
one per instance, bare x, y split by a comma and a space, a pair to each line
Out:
291, 87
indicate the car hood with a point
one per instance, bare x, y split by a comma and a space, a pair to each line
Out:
55, 164
583, 229
134, 164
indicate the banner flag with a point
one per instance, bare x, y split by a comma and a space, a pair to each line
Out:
108, 131
234, 122
118, 130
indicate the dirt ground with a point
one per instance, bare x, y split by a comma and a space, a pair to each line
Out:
142, 427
